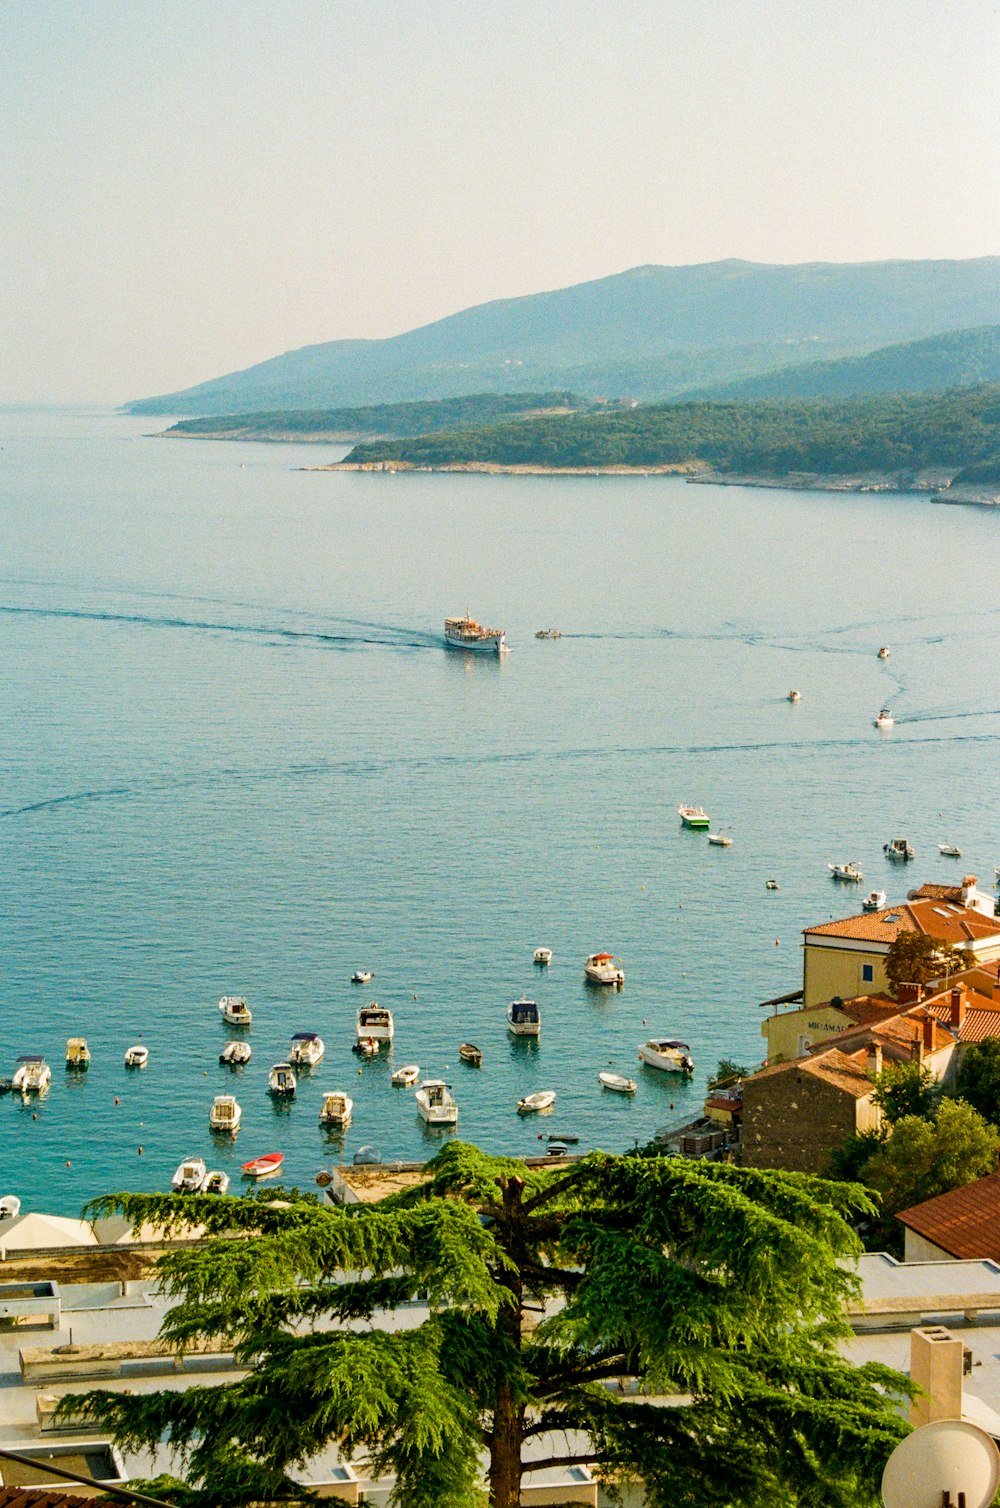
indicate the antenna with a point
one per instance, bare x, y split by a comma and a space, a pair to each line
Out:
947, 1464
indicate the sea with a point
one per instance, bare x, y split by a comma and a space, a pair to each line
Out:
236, 758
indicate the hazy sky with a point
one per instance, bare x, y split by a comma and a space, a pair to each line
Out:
189, 186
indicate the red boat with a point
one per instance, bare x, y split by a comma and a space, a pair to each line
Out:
264, 1167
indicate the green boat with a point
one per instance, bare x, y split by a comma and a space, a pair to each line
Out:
694, 816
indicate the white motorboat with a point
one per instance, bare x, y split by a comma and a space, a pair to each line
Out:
307, 1050
846, 872
32, 1076
543, 955
618, 1082
543, 1099
375, 1024
10, 1207
885, 719
362, 976
667, 1054
524, 1018
235, 1010
884, 652
694, 816
771, 885
336, 1109
281, 1081
720, 840
225, 1114
899, 850
466, 633
77, 1054
216, 1183
874, 900
235, 1054
407, 1075
949, 850
794, 696
547, 633
604, 968
436, 1103
136, 1056
190, 1176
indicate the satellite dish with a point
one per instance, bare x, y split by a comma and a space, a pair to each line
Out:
946, 1457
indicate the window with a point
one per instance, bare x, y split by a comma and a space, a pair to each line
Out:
867, 973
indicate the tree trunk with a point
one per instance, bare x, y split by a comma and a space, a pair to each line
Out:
507, 1434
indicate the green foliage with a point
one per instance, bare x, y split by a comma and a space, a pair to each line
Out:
719, 1284
979, 1078
903, 1089
727, 1073
924, 1158
901, 432
849, 1160
915, 958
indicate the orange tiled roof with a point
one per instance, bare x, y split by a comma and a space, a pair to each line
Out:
41, 1497
845, 1071
943, 920
900, 1031
964, 1223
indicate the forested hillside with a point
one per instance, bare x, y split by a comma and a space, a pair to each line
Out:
382, 419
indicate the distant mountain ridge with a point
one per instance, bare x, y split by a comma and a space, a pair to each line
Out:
648, 332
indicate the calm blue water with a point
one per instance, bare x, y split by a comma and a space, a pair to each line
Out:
236, 758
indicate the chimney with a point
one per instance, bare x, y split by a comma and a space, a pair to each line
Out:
937, 1364
957, 1006
968, 888
910, 994
874, 1059
928, 1037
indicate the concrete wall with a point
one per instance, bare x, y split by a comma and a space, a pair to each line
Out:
919, 1249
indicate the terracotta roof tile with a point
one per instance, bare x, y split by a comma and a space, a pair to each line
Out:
965, 1222
943, 921
41, 1497
846, 1072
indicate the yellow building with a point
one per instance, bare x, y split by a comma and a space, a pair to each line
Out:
790, 1034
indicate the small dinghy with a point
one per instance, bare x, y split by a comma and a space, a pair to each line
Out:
794, 696
10, 1207
566, 1137
366, 1047
846, 872
263, 1167
543, 1099
771, 885
362, 976
618, 1082
336, 1110
136, 1056
437, 1104
189, 1177
281, 1081
407, 1075
949, 850
235, 1054
874, 900
307, 1049
543, 956
471, 1054
216, 1183
720, 840
547, 633
235, 1010
884, 652
225, 1114
885, 719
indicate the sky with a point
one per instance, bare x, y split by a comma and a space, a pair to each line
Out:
191, 186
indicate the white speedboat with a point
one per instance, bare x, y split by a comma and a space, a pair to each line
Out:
190, 1176
604, 968
899, 850
884, 652
949, 850
794, 696
667, 1054
32, 1076
235, 1010
466, 633
885, 719
10, 1207
524, 1018
362, 976
281, 1081
407, 1075
307, 1050
225, 1114
336, 1109
216, 1183
547, 633
235, 1054
846, 872
436, 1103
771, 885
720, 840
694, 816
77, 1054
136, 1056
375, 1024
543, 955
618, 1082
543, 1099
874, 900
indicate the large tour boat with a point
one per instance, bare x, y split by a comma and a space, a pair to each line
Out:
466, 633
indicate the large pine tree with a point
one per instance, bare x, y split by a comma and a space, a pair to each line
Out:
662, 1320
